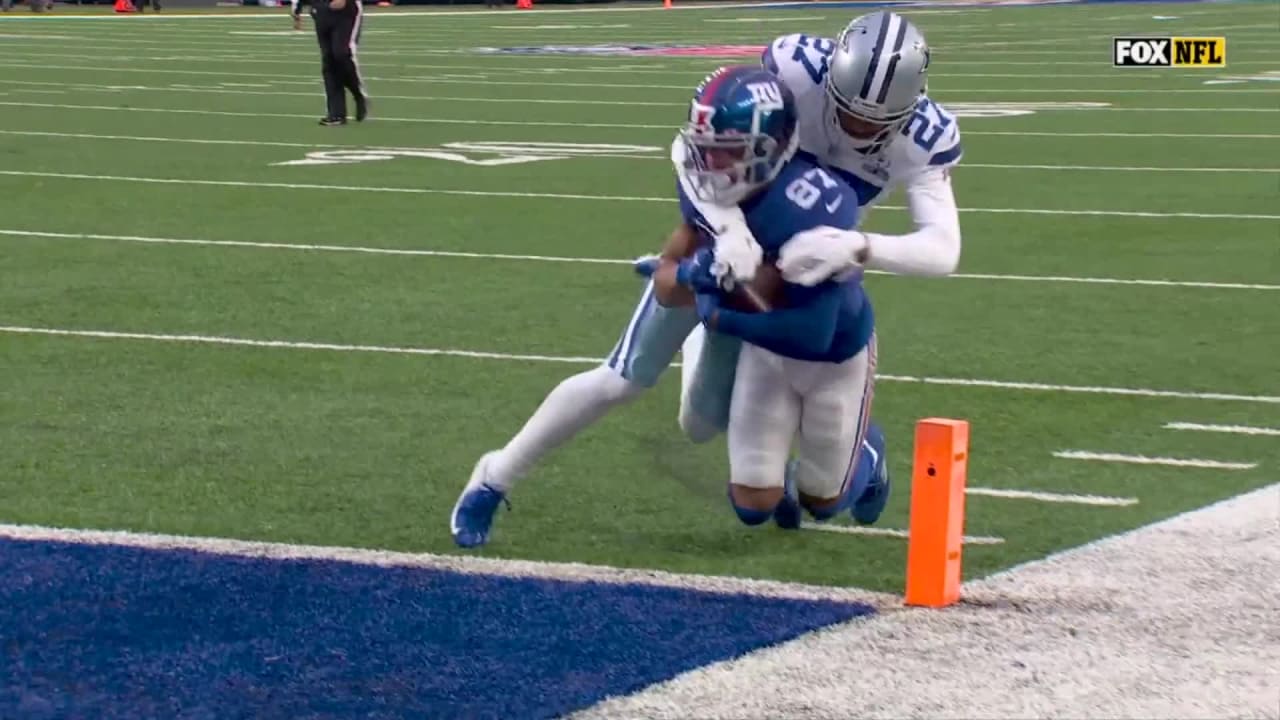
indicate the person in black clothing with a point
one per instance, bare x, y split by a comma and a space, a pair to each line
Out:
338, 24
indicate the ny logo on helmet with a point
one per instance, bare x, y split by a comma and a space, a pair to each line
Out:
767, 95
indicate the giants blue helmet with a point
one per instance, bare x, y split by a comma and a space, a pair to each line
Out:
741, 132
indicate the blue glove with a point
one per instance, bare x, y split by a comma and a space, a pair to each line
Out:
645, 266
694, 272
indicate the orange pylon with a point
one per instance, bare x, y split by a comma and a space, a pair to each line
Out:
936, 534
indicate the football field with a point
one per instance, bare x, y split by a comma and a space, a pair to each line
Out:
221, 320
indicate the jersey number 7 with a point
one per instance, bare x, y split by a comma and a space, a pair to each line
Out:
822, 47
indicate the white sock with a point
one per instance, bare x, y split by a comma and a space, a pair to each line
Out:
574, 404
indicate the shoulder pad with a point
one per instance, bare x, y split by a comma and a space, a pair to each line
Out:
931, 139
799, 61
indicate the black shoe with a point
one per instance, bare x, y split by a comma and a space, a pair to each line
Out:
362, 108
333, 121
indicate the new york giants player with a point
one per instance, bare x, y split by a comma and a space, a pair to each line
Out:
805, 369
740, 142
864, 114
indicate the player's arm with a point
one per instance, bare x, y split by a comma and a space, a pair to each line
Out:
667, 287
807, 328
932, 249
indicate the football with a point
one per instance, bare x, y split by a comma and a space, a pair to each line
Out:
766, 288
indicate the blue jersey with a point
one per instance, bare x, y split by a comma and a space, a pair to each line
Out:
830, 322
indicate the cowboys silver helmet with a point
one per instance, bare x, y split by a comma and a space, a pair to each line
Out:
876, 76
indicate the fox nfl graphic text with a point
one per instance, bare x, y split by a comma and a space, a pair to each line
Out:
1169, 52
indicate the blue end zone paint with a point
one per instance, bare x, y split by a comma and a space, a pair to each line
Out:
116, 632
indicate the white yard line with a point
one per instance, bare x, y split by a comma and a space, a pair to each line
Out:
1050, 497
890, 532
585, 260
452, 352
606, 198
1149, 460
1231, 429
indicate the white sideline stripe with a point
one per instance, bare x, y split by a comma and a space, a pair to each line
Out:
468, 564
616, 198
620, 156
1078, 623
891, 532
586, 260
1148, 460
962, 382
1070, 499
1234, 429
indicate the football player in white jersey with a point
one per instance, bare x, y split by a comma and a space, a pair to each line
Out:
876, 137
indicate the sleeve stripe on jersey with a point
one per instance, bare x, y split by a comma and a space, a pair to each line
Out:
947, 156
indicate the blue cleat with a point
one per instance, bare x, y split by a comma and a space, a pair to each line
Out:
787, 515
867, 508
473, 513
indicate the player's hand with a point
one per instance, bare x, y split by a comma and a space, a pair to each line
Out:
738, 252
297, 22
698, 272
337, 4
708, 304
822, 253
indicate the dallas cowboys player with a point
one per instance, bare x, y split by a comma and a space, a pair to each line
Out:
865, 116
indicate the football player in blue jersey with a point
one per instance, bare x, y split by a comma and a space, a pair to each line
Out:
742, 191
806, 365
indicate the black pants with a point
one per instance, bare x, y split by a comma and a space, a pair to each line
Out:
339, 34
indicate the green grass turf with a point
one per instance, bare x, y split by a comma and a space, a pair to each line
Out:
370, 449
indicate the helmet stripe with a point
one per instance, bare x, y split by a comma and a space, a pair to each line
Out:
708, 93
893, 63
886, 18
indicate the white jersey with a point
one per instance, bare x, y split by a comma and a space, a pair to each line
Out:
917, 158
929, 142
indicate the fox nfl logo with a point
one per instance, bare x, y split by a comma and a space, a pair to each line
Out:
1169, 52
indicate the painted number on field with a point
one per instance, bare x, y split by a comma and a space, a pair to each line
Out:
482, 154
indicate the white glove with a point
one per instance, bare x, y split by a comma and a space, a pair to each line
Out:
738, 255
822, 253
